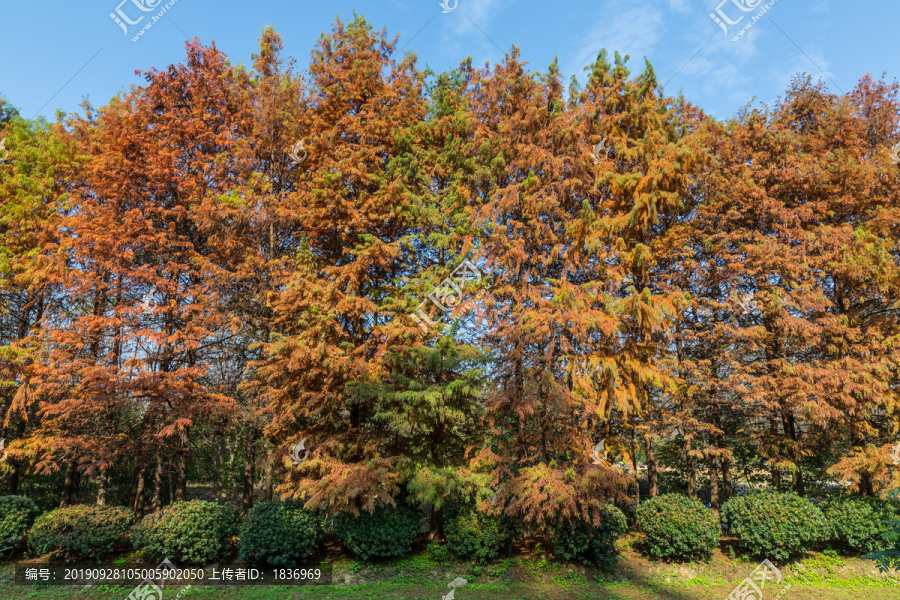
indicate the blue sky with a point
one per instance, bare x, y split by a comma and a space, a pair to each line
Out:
54, 53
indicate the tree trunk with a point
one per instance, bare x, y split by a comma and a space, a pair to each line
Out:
634, 468
103, 486
132, 494
12, 487
228, 465
138, 506
728, 487
437, 521
4, 409
723, 460
637, 481
652, 473
270, 471
797, 482
689, 467
249, 475
181, 461
218, 461
714, 485
68, 484
76, 486
866, 487
156, 498
790, 429
776, 473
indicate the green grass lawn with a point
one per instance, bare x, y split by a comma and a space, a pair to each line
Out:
380, 591
534, 574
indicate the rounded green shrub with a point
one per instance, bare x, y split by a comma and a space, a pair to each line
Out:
775, 525
188, 532
588, 543
677, 527
381, 534
81, 531
477, 535
279, 534
887, 559
856, 523
17, 515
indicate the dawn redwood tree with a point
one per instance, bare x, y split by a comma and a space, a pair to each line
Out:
573, 345
795, 278
862, 285
34, 185
438, 384
254, 230
123, 370
341, 324
647, 191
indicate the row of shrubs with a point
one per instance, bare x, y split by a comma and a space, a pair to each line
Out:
277, 534
774, 525
280, 534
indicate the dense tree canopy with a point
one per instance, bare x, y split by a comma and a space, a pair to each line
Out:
450, 286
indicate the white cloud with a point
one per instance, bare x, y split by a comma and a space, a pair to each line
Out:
681, 6
633, 29
479, 11
670, 34
469, 24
